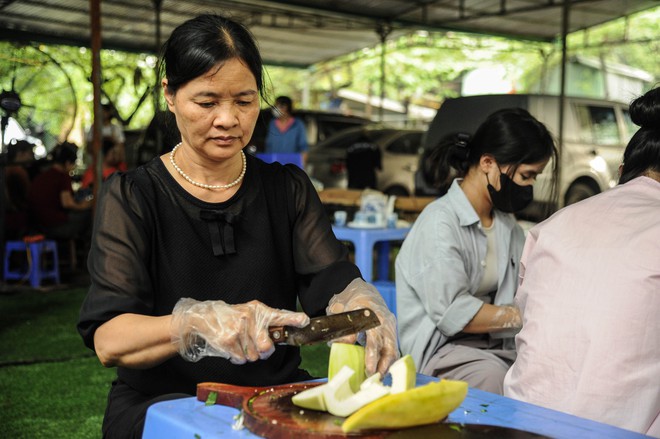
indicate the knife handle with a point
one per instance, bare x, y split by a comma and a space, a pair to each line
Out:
277, 333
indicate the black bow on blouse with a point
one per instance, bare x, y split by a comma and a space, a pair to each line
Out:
222, 240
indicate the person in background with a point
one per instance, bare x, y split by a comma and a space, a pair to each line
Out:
457, 270
286, 133
590, 296
113, 161
198, 252
110, 128
17, 186
111, 132
363, 158
53, 208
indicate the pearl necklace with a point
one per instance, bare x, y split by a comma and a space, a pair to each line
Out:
208, 186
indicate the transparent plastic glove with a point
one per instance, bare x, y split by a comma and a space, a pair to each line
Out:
504, 322
238, 333
382, 347
508, 317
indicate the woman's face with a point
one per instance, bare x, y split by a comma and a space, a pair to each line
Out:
525, 174
216, 112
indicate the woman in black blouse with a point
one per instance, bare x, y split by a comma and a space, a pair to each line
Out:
198, 252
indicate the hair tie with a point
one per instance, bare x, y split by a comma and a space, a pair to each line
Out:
460, 148
462, 140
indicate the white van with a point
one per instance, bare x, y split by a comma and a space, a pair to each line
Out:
595, 135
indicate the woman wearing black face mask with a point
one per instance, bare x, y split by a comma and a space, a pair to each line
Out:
457, 271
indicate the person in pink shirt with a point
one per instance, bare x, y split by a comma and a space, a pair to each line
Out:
590, 296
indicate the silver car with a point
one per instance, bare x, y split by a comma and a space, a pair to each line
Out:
400, 151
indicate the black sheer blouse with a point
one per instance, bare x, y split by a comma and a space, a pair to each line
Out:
155, 243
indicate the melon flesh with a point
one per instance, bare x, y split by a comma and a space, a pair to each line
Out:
351, 355
404, 374
311, 398
340, 399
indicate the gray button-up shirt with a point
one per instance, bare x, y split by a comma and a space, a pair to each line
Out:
439, 268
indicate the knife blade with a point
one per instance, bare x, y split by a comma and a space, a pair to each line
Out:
325, 328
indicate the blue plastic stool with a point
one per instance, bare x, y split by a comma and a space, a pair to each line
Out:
387, 289
34, 271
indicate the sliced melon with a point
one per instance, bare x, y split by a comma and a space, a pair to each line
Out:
404, 374
419, 406
340, 399
311, 398
373, 379
351, 355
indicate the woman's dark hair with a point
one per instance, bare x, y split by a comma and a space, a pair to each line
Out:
13, 149
643, 151
199, 44
285, 101
65, 152
512, 136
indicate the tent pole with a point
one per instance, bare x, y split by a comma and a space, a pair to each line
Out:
383, 30
159, 136
95, 24
562, 87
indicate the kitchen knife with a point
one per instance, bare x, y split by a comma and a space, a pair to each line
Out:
326, 328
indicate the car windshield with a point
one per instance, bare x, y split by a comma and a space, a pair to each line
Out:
344, 139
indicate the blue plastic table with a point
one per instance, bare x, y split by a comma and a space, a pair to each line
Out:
364, 241
282, 157
189, 418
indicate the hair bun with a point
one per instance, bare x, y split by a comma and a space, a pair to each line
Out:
645, 110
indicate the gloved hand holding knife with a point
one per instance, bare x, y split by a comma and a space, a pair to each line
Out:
382, 347
248, 332
239, 333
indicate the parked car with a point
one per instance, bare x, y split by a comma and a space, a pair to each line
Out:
595, 134
400, 152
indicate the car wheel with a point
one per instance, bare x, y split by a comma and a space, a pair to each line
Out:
580, 190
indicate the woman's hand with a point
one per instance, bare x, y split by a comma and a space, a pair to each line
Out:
238, 333
382, 347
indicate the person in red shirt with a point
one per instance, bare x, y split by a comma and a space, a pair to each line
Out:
52, 207
17, 186
113, 161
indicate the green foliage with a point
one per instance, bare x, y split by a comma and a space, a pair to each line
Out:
63, 75
634, 42
47, 93
315, 359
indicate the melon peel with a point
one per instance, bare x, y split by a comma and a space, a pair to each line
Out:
422, 405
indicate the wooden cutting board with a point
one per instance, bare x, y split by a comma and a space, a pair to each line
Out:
268, 412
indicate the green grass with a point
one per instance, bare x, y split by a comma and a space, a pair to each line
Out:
51, 386
54, 400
